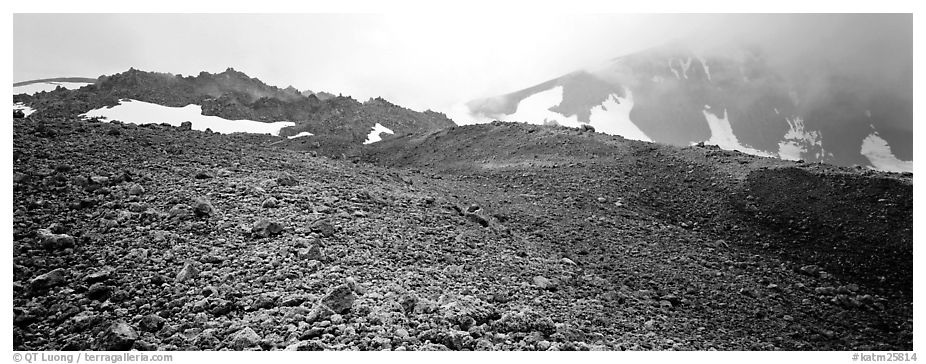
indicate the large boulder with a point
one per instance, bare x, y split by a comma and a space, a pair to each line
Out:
202, 207
340, 299
188, 272
245, 338
323, 227
53, 278
264, 228
286, 179
53, 241
118, 337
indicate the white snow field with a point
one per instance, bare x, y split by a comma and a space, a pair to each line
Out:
140, 112
879, 154
611, 117
374, 135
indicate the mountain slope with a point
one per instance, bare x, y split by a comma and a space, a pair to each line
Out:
335, 121
489, 237
735, 99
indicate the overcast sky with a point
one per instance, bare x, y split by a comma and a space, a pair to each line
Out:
415, 60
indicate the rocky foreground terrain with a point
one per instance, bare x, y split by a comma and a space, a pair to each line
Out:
490, 237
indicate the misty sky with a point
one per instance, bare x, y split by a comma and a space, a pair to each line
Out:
430, 61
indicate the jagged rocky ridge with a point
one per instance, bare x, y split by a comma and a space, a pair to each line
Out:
490, 237
338, 123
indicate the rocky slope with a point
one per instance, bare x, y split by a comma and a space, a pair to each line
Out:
501, 236
339, 122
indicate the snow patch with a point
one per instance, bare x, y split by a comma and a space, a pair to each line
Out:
140, 112
722, 134
374, 135
611, 117
776, 111
25, 109
535, 109
797, 140
34, 88
300, 135
879, 154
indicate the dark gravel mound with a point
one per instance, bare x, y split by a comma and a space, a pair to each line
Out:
856, 226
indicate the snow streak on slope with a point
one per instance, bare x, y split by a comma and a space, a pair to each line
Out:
611, 117
797, 140
140, 112
25, 109
879, 154
300, 135
34, 88
374, 135
707, 70
722, 134
685, 66
674, 71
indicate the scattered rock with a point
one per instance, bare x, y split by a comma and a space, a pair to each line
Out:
311, 253
544, 283
53, 241
270, 203
51, 279
136, 189
98, 276
810, 270
202, 207
265, 228
286, 179
323, 227
99, 291
118, 337
180, 211
467, 311
307, 345
340, 299
245, 338
151, 323
477, 218
525, 320
186, 125
188, 272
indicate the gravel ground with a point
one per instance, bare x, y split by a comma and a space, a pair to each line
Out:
514, 238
